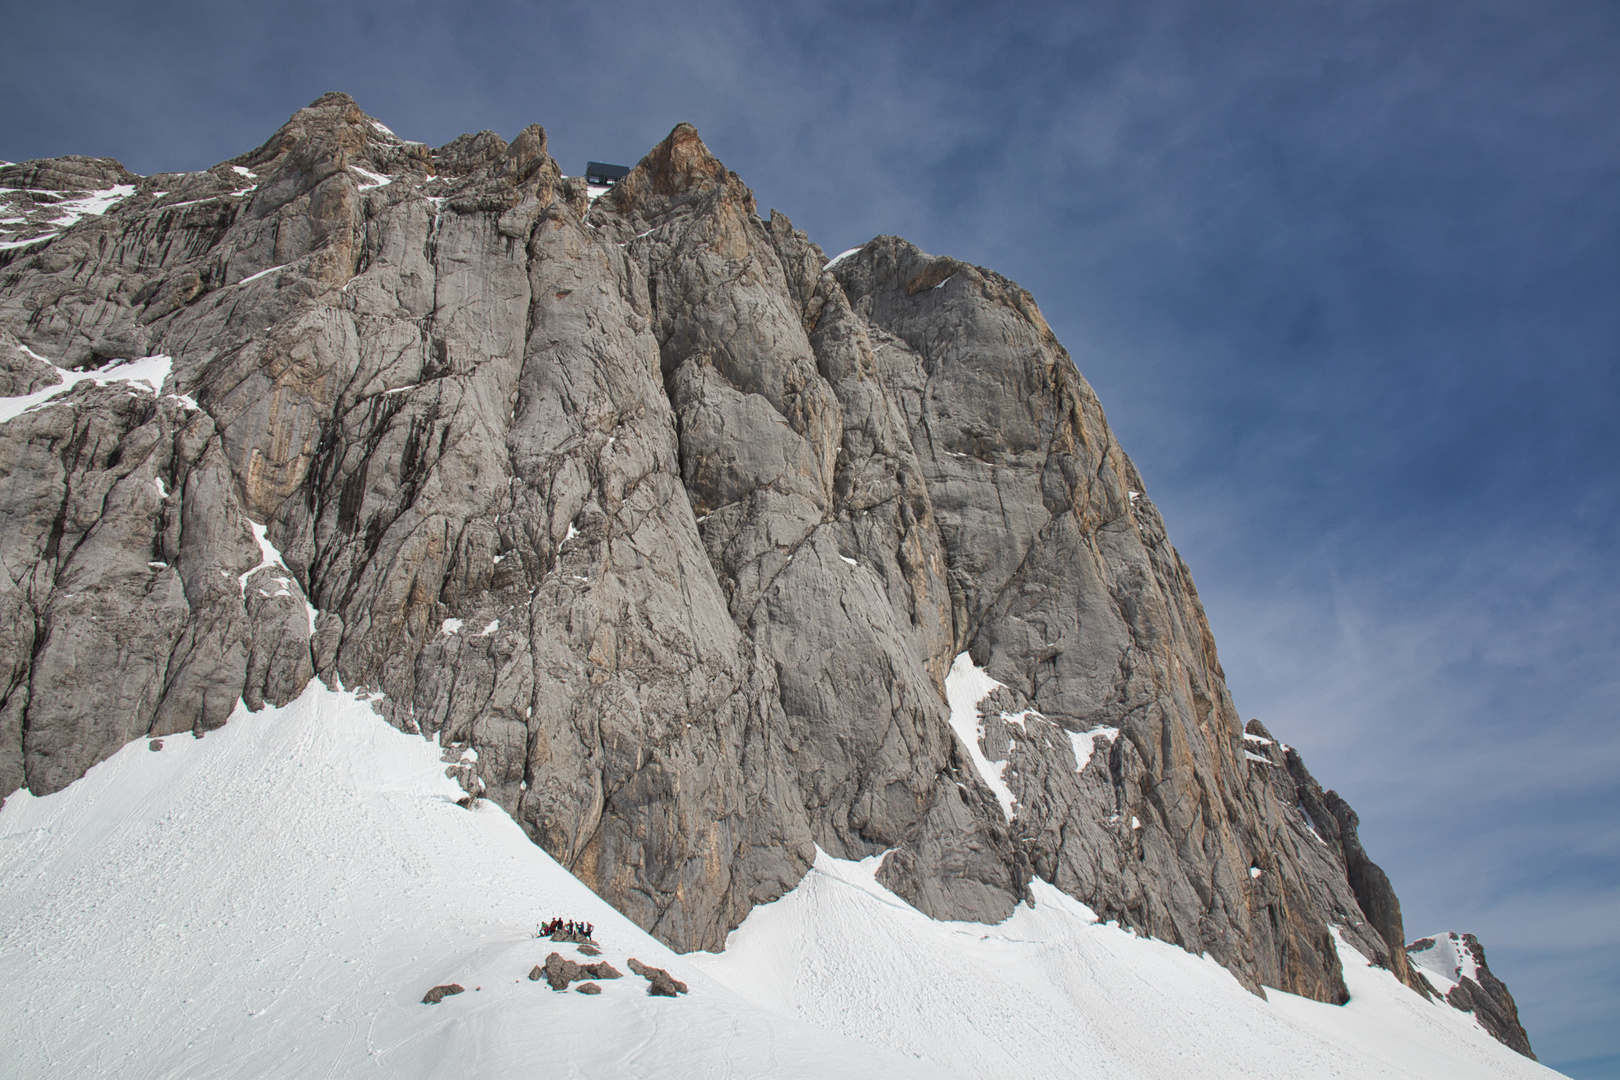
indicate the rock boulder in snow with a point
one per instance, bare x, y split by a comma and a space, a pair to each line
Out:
558, 971
659, 982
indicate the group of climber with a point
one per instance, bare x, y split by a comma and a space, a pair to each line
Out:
567, 926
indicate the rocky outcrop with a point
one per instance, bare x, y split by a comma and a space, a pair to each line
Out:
816, 520
660, 983
559, 971
439, 993
21, 372
668, 530
1454, 965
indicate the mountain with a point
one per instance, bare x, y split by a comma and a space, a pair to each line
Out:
705, 557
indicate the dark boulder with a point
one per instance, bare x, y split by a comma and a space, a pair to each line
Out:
439, 993
561, 972
661, 983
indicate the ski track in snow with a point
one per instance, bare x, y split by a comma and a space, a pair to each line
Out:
1052, 993
273, 901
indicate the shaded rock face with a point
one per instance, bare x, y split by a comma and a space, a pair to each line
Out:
1455, 964
675, 527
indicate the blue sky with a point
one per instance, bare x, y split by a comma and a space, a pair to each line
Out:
1345, 274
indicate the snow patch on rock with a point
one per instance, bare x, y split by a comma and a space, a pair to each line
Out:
1085, 744
1446, 962
372, 180
149, 373
841, 256
966, 685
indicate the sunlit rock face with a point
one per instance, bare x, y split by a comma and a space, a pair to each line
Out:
681, 529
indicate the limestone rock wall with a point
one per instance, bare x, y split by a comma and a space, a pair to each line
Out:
678, 527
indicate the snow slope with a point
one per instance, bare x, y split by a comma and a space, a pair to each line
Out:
274, 900
1053, 993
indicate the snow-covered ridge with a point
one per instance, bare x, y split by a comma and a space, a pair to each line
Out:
841, 256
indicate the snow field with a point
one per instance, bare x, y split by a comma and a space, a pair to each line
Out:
1052, 993
273, 901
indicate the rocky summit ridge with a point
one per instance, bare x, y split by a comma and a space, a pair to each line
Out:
670, 530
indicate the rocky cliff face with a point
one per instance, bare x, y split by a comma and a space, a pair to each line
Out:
677, 526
